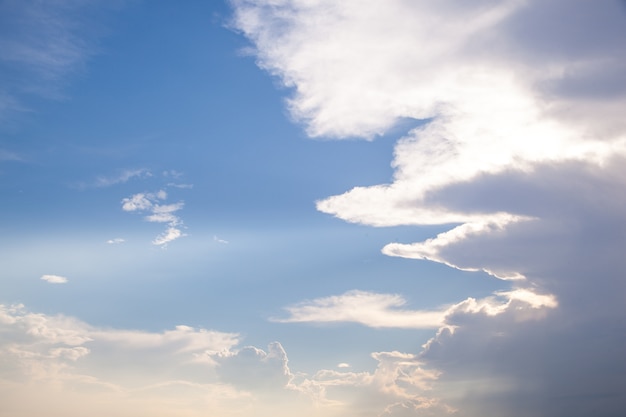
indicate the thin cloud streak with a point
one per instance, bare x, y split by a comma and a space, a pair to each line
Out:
366, 308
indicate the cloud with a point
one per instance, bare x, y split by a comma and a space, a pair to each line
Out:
251, 367
218, 240
157, 213
116, 241
169, 235
191, 371
122, 177
519, 147
367, 308
73, 365
54, 279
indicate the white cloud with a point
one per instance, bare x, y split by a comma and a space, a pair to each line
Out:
136, 202
367, 308
164, 213
157, 213
169, 235
116, 241
54, 279
520, 147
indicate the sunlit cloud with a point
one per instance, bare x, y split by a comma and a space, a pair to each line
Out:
518, 145
366, 308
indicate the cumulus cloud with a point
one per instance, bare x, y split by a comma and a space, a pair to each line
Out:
155, 211
54, 279
367, 308
519, 145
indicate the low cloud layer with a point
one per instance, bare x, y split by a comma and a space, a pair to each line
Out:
185, 371
519, 146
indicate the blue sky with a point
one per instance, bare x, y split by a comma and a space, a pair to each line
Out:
353, 209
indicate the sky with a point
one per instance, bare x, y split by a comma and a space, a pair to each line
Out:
271, 207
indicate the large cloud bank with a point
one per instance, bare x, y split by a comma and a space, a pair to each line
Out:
520, 147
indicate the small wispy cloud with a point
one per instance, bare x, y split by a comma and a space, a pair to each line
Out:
54, 279
218, 240
122, 177
116, 241
175, 185
151, 205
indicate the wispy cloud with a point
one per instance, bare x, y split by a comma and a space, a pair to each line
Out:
54, 279
122, 177
367, 308
219, 240
151, 205
116, 241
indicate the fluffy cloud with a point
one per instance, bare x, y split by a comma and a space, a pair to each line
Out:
519, 144
54, 279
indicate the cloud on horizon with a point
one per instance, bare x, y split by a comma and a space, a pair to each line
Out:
520, 148
184, 371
